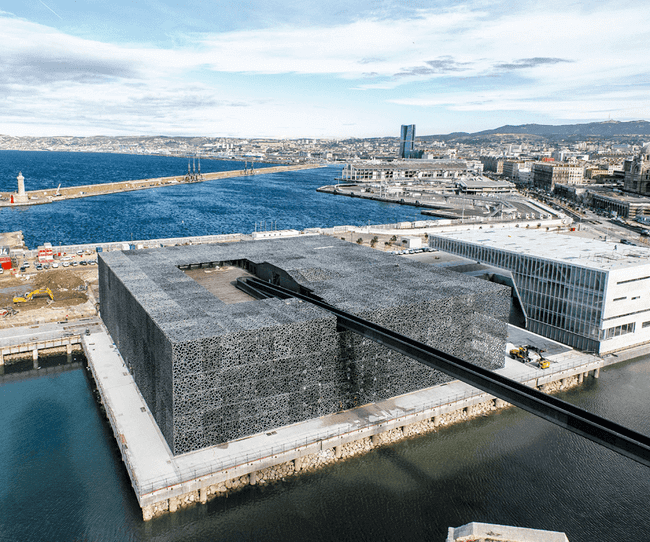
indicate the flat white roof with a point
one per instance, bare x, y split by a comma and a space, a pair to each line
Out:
411, 164
483, 182
562, 247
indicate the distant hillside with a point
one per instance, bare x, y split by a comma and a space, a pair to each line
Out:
605, 129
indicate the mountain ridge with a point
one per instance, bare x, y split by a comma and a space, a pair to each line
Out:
609, 128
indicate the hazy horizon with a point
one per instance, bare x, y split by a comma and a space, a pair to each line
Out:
394, 136
336, 70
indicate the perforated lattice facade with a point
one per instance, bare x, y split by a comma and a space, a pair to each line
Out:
213, 372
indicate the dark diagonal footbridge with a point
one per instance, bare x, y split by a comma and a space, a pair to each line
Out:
605, 432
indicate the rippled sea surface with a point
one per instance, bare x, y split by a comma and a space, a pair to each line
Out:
238, 205
61, 477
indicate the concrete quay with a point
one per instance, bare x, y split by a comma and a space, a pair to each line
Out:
41, 340
489, 532
41, 197
163, 482
439, 208
449, 205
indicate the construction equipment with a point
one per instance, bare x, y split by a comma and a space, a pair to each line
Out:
30, 295
530, 354
520, 353
535, 356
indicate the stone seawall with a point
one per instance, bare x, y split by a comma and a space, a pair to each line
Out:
311, 462
41, 197
10, 359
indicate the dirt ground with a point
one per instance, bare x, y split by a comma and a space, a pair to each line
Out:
74, 290
12, 239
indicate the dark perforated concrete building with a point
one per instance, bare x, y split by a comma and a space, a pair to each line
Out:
214, 369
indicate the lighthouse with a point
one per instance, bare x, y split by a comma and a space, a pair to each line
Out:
21, 196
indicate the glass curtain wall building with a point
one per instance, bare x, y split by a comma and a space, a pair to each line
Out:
581, 292
407, 141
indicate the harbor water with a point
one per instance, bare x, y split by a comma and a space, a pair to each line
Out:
237, 205
61, 475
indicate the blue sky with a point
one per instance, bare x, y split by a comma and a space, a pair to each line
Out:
274, 68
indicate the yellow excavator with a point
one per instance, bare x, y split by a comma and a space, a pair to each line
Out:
31, 295
535, 355
530, 353
520, 353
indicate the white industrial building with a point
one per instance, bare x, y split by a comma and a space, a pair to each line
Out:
587, 293
409, 170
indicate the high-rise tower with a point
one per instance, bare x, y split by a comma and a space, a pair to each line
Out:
407, 141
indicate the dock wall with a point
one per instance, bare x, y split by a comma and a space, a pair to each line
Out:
330, 449
40, 197
35, 348
314, 455
203, 475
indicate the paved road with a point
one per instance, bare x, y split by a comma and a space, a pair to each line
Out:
44, 332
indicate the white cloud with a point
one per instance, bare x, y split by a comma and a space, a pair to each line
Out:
557, 60
352, 49
474, 42
596, 105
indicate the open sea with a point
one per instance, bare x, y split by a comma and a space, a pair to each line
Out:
238, 205
62, 479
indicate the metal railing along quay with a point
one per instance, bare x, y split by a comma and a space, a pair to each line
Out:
344, 429
616, 437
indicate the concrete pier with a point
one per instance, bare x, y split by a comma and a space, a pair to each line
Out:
163, 482
37, 347
489, 531
34, 342
40, 197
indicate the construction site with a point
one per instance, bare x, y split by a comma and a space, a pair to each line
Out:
51, 296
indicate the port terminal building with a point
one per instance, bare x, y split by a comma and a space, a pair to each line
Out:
590, 294
400, 170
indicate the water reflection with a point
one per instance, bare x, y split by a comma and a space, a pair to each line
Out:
62, 472
43, 485
27, 368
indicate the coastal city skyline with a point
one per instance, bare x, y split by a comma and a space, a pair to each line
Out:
60, 244
318, 71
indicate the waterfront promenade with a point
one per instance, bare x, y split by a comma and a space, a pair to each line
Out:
168, 483
40, 197
164, 483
